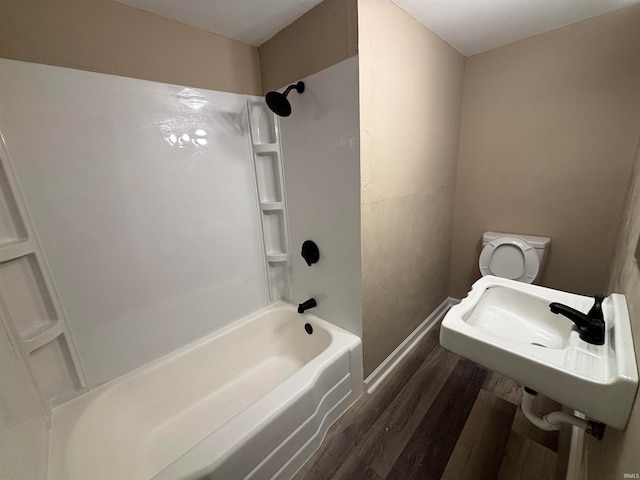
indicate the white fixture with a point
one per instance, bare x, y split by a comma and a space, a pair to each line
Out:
269, 174
250, 401
507, 326
31, 311
513, 256
321, 167
145, 231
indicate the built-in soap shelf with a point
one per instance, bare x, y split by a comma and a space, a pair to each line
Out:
29, 307
25, 298
263, 124
15, 250
265, 148
271, 206
12, 229
275, 257
267, 158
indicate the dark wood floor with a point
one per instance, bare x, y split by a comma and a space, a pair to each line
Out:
437, 416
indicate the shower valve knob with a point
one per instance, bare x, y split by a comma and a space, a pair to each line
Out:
310, 252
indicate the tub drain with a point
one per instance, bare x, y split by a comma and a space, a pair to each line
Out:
308, 328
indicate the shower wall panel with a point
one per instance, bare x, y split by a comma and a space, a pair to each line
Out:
23, 431
144, 199
321, 154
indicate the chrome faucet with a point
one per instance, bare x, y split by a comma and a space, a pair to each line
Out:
591, 326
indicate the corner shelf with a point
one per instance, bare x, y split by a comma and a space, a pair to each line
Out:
16, 250
30, 309
262, 148
277, 257
271, 206
269, 178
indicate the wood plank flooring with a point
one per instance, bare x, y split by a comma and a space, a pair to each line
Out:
437, 416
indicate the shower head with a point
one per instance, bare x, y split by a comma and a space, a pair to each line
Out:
278, 102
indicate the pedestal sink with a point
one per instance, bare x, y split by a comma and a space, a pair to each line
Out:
507, 326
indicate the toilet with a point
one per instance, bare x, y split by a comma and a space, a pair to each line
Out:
513, 256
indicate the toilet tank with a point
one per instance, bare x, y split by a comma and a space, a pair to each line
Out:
541, 244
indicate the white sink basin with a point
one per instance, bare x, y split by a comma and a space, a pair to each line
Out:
507, 327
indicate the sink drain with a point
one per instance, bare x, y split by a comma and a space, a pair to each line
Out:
538, 345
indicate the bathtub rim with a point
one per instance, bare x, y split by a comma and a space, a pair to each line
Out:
189, 347
280, 399
66, 415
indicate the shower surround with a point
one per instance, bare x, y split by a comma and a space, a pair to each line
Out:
147, 200
144, 199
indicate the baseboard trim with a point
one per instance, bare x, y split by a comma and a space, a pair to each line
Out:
386, 367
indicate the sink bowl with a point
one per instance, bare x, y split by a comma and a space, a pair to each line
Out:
506, 313
507, 326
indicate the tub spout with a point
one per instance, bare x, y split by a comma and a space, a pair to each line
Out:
307, 305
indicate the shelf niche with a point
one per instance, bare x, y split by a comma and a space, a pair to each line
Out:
12, 229
54, 371
268, 176
25, 297
267, 158
262, 124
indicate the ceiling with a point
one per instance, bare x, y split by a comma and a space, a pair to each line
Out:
250, 21
474, 26
470, 26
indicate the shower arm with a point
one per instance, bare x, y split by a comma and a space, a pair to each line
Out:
298, 87
289, 88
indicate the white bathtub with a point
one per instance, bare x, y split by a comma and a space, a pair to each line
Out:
252, 401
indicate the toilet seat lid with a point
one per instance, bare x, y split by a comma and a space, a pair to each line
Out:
510, 257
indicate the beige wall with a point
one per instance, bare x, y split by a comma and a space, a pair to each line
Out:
617, 453
322, 37
108, 37
549, 129
410, 100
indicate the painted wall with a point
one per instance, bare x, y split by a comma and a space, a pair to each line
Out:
321, 154
109, 37
410, 100
549, 131
617, 453
143, 196
324, 36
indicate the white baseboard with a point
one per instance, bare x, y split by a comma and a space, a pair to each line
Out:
384, 369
